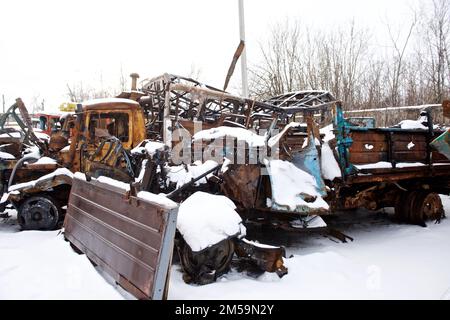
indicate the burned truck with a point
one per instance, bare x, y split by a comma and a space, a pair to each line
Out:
178, 139
108, 142
363, 166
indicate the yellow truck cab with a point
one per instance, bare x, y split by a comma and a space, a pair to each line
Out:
101, 120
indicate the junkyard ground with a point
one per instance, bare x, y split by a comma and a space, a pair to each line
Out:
386, 261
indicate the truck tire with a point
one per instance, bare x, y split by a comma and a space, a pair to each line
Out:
39, 212
401, 207
206, 266
427, 206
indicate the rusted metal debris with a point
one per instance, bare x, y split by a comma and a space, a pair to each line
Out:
177, 100
108, 224
131, 238
265, 258
302, 104
446, 108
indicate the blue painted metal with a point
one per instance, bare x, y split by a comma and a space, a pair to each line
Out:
442, 144
309, 161
344, 142
366, 122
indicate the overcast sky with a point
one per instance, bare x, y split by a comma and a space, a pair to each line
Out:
46, 44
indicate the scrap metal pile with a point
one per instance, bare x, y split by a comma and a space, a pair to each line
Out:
124, 173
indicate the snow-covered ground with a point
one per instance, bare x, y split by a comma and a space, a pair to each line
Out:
386, 261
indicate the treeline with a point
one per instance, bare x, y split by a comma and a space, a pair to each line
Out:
412, 69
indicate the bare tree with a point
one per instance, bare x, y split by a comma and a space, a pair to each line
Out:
37, 104
435, 30
78, 92
279, 71
296, 58
123, 81
195, 72
396, 70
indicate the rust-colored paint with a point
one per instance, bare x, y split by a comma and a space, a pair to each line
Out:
121, 233
446, 108
241, 184
372, 147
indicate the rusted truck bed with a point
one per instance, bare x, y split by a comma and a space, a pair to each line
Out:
407, 151
390, 167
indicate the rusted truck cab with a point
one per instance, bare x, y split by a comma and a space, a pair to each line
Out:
103, 123
103, 132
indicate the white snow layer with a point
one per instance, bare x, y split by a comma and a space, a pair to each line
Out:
379, 264
114, 183
15, 134
328, 132
241, 134
45, 160
6, 156
330, 167
182, 175
388, 165
412, 124
41, 265
276, 139
205, 219
30, 184
109, 100
150, 147
290, 184
157, 199
42, 136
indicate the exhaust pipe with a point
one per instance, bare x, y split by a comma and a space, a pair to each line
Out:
134, 77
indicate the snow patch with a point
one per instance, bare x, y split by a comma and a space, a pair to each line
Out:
150, 147
248, 136
42, 136
114, 183
412, 125
311, 222
6, 156
388, 165
108, 100
30, 184
259, 245
80, 176
330, 167
45, 160
292, 186
226, 163
183, 174
276, 139
205, 220
15, 134
328, 132
157, 199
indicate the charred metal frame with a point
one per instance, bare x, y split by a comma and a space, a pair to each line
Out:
173, 98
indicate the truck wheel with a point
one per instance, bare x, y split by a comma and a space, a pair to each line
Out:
39, 212
400, 207
427, 206
205, 266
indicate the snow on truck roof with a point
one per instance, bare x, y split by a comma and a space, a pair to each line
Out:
110, 103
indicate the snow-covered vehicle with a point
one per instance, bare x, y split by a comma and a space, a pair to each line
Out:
108, 142
229, 162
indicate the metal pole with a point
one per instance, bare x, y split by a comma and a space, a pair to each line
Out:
3, 97
244, 53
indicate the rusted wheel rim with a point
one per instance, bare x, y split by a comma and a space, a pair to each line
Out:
216, 258
431, 207
38, 213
